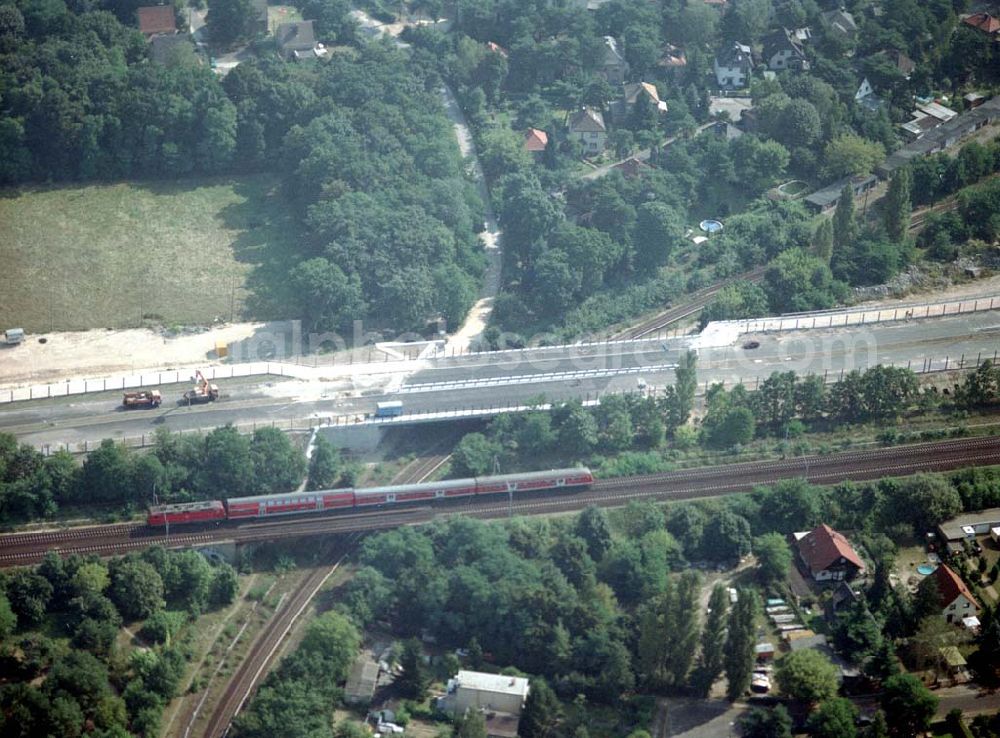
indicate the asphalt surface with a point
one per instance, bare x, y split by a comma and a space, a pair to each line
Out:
513, 377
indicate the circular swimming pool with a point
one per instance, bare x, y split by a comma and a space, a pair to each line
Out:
926, 569
710, 226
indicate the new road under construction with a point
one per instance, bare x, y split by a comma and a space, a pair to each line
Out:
701, 482
440, 386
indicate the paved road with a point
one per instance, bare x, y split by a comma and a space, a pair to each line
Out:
447, 383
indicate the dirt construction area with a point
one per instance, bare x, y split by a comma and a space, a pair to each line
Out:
97, 353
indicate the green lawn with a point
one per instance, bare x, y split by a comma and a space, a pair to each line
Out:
102, 256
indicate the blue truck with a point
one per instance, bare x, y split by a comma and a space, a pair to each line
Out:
390, 409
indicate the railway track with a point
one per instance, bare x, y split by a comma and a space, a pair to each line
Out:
696, 303
265, 646
420, 469
677, 485
919, 217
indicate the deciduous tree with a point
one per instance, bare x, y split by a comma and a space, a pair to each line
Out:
835, 718
774, 557
908, 705
808, 676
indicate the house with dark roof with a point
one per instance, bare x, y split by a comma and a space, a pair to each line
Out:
957, 601
903, 63
296, 40
733, 66
535, 140
632, 167
783, 50
840, 24
614, 68
828, 555
587, 127
984, 22
156, 19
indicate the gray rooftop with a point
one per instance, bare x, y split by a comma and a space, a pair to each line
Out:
952, 529
945, 135
825, 197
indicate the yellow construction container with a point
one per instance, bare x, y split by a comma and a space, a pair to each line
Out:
221, 349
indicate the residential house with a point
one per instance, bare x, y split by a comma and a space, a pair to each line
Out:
535, 141
260, 22
614, 68
866, 97
632, 167
903, 64
783, 50
500, 697
620, 109
586, 126
828, 555
984, 22
841, 24
297, 40
721, 129
802, 34
156, 19
733, 66
942, 138
957, 601
673, 57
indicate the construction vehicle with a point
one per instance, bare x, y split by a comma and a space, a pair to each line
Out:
202, 391
142, 398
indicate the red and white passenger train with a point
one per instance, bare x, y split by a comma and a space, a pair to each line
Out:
319, 501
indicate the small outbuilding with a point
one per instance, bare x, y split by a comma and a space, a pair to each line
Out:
764, 651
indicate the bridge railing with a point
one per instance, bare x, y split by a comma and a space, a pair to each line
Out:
929, 365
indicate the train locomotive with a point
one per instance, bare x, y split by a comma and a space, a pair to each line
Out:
330, 500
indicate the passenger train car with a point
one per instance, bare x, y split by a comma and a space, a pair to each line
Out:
319, 501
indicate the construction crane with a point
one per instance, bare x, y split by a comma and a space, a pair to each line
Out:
202, 391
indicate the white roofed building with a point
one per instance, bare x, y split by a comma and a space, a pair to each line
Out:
480, 691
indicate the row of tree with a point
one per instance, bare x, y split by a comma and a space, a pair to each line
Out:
220, 464
87, 686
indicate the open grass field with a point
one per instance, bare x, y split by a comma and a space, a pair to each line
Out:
111, 256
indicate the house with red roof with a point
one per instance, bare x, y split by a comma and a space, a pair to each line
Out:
535, 140
156, 19
828, 555
957, 601
988, 24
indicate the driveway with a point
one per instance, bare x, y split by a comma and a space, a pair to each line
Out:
694, 718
